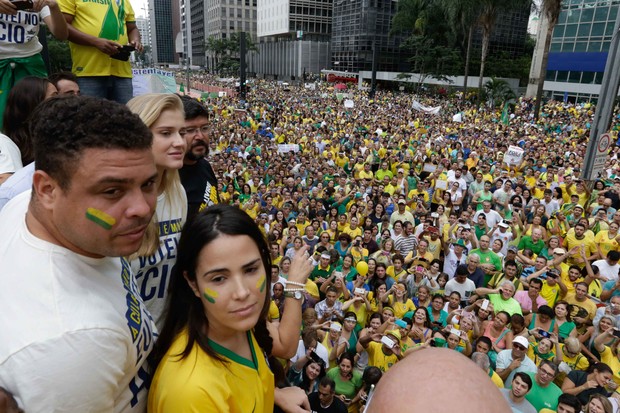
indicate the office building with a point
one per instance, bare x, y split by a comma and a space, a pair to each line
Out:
293, 38
579, 48
165, 26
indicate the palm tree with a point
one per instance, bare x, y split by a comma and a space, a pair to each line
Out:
464, 15
489, 10
498, 91
550, 9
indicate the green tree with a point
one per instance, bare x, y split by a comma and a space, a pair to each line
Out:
463, 16
59, 54
489, 10
550, 9
498, 91
431, 60
226, 52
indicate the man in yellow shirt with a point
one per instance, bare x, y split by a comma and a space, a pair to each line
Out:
98, 34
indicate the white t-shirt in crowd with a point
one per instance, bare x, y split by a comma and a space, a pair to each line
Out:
75, 332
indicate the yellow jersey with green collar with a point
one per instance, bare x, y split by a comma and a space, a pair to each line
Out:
200, 383
105, 19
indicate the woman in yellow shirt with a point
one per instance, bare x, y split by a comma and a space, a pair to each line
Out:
212, 352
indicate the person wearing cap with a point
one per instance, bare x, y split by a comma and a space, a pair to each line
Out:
454, 257
382, 355
500, 232
401, 214
511, 361
515, 395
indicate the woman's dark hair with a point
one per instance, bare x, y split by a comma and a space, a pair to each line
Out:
568, 308
347, 356
546, 310
305, 380
185, 310
371, 376
26, 95
485, 340
427, 320
373, 316
600, 367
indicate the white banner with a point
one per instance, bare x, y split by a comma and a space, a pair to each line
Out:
458, 117
349, 103
514, 155
284, 148
421, 108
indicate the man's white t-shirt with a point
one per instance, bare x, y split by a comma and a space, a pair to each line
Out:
75, 332
608, 271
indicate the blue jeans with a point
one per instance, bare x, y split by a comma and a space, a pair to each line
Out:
119, 89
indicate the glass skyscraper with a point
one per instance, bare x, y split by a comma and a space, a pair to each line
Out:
579, 48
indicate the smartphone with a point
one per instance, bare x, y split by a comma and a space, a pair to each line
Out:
23, 4
485, 304
360, 291
387, 341
616, 332
546, 334
127, 48
400, 323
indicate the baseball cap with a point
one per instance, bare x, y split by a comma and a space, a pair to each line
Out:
394, 333
521, 340
503, 225
559, 251
402, 201
512, 248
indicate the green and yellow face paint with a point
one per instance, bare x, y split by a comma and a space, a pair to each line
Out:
261, 283
100, 218
210, 295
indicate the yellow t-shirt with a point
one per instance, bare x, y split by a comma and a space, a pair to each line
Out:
102, 19
377, 358
274, 312
606, 244
612, 361
400, 309
199, 383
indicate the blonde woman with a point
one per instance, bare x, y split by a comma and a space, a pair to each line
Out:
163, 114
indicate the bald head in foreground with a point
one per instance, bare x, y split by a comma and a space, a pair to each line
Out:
412, 386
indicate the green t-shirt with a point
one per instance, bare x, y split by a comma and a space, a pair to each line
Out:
542, 398
536, 247
511, 306
348, 388
489, 257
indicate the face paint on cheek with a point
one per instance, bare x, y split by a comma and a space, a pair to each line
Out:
210, 295
261, 283
100, 218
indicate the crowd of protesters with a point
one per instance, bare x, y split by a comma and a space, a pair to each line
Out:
422, 231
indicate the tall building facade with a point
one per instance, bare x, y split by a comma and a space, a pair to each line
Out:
293, 37
579, 48
360, 25
509, 33
165, 26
